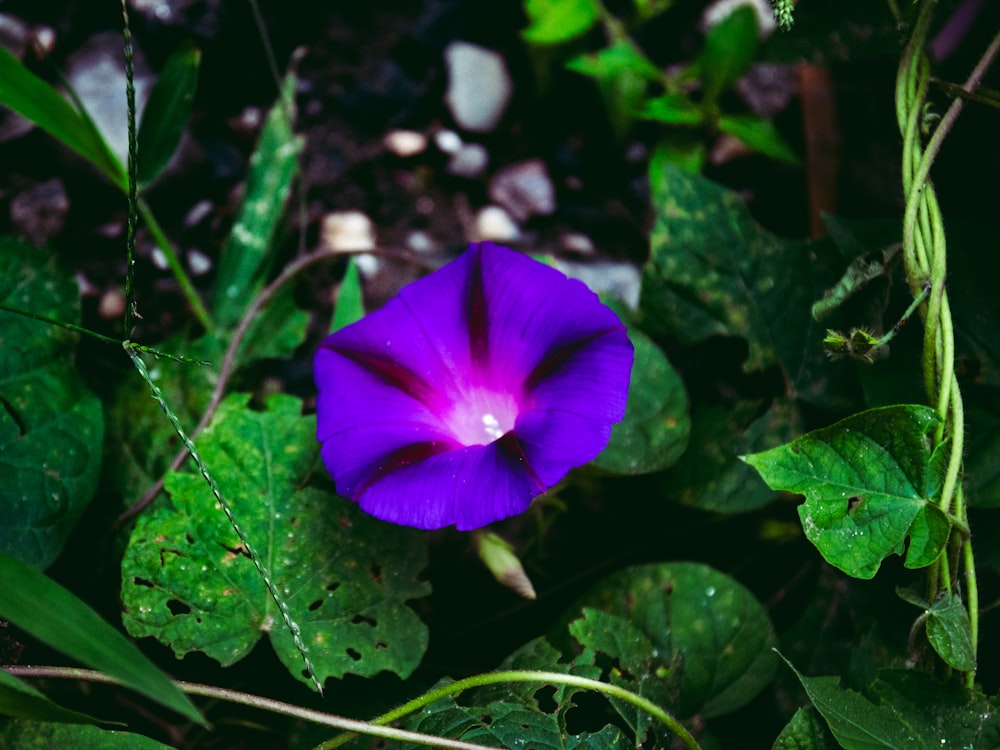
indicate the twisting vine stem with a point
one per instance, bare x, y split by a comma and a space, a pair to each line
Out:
925, 262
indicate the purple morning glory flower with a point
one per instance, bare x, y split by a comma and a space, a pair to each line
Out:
470, 393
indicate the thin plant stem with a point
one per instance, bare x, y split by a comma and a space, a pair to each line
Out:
258, 702
925, 260
255, 557
174, 263
61, 324
131, 313
229, 360
519, 675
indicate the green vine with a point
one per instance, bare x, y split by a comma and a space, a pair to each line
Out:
925, 263
522, 675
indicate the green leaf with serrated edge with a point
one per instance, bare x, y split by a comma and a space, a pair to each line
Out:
31, 735
654, 432
350, 306
637, 666
760, 135
245, 256
51, 425
344, 576
950, 633
711, 476
166, 113
54, 616
863, 479
803, 732
907, 711
515, 715
34, 99
730, 47
556, 21
698, 617
21, 701
141, 442
713, 271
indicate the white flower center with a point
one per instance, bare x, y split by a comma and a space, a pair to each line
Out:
480, 416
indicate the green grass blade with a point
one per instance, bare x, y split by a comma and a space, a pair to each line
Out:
247, 252
21, 701
350, 306
53, 615
31, 97
167, 113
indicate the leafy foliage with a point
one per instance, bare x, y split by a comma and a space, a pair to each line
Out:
869, 482
187, 581
904, 710
51, 425
697, 620
42, 607
654, 433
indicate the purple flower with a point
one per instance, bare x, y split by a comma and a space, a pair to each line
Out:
473, 391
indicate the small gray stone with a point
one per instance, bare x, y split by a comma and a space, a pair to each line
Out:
347, 232
524, 189
622, 280
470, 161
96, 72
479, 86
495, 224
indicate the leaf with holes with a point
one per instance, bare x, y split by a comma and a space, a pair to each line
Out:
188, 581
637, 666
51, 425
868, 481
698, 621
516, 715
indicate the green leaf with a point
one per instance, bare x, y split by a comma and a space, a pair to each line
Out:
32, 98
864, 479
803, 732
515, 715
166, 114
556, 21
21, 701
622, 72
245, 256
277, 330
51, 425
701, 619
729, 50
28, 735
654, 432
672, 109
760, 135
345, 577
57, 618
907, 711
637, 666
950, 634
713, 271
350, 306
712, 477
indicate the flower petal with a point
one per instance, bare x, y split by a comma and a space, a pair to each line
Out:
494, 348
468, 488
534, 310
